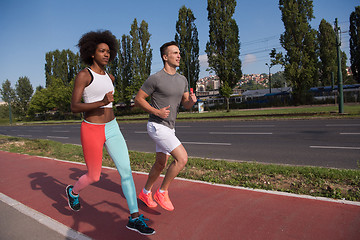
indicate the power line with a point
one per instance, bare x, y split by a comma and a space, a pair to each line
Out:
260, 50
266, 39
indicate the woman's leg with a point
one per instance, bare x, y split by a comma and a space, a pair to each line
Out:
92, 141
117, 149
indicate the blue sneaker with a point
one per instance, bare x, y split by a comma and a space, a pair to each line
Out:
73, 201
139, 225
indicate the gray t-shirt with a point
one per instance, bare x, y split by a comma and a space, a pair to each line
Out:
165, 90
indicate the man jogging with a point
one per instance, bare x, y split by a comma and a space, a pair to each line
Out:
168, 89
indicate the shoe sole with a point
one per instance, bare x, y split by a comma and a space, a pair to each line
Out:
67, 194
135, 230
143, 200
158, 201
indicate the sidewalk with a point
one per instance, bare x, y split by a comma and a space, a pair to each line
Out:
202, 211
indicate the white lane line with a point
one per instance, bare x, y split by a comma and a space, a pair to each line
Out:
207, 143
195, 143
336, 147
242, 133
342, 125
248, 126
64, 131
57, 137
349, 133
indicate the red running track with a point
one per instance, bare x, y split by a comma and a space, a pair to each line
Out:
202, 211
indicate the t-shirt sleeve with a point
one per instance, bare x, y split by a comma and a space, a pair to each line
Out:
186, 89
149, 85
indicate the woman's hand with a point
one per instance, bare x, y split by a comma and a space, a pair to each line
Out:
108, 98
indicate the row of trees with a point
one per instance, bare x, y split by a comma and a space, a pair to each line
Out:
18, 97
132, 65
355, 43
309, 58
311, 55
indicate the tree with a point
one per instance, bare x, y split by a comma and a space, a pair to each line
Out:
125, 72
355, 43
4, 111
299, 41
252, 85
278, 80
7, 92
8, 95
187, 39
57, 97
141, 56
327, 52
24, 92
223, 47
226, 91
113, 68
63, 65
60, 96
40, 102
346, 78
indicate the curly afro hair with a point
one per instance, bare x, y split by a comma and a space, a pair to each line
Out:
89, 41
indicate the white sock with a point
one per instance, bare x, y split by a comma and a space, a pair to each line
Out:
146, 191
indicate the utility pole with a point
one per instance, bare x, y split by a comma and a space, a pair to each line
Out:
332, 86
340, 81
10, 114
269, 66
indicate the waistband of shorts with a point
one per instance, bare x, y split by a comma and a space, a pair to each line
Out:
108, 123
159, 124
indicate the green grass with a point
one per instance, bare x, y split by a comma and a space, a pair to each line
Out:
314, 181
329, 111
318, 111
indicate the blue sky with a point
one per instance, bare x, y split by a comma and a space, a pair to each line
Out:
30, 29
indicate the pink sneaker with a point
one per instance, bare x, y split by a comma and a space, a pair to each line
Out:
163, 200
147, 199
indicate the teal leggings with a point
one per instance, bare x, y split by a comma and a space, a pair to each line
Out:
93, 138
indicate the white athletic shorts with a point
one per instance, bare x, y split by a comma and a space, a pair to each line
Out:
164, 137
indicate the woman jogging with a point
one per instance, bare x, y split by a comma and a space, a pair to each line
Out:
95, 86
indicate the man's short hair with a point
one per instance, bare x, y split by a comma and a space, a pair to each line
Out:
164, 47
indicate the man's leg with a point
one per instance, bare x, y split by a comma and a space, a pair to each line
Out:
159, 165
180, 159
157, 168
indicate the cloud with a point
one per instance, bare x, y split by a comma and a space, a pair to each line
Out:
249, 59
203, 61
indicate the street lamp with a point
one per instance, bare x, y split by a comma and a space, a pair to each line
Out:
269, 66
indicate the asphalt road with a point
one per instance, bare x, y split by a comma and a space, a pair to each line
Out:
328, 143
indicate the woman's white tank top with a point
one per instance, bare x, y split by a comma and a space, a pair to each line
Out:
98, 87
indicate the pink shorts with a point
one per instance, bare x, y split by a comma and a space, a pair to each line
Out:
164, 137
